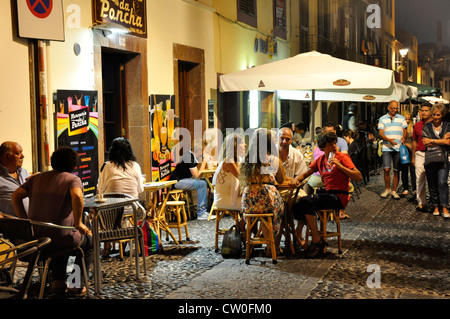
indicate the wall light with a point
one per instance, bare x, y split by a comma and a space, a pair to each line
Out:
108, 28
403, 52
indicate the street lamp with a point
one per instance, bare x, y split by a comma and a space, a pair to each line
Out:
401, 68
403, 52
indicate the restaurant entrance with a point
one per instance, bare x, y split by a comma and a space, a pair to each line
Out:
115, 106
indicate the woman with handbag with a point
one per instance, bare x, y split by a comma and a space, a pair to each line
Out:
408, 168
435, 136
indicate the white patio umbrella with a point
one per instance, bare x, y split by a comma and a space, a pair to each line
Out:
322, 74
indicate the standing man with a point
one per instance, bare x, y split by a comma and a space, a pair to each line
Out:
12, 175
349, 121
418, 156
392, 130
292, 159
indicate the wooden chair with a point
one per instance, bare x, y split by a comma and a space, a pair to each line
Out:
176, 218
220, 213
262, 220
181, 194
324, 216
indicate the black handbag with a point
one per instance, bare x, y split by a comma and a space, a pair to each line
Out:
437, 153
232, 243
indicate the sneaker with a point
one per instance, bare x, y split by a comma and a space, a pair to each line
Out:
436, 213
203, 216
386, 193
395, 195
446, 215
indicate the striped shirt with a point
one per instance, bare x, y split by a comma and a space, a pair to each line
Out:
393, 129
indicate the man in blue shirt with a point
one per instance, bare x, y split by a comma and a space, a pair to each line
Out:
12, 175
392, 130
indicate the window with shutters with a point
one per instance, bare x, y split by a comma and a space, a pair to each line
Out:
247, 13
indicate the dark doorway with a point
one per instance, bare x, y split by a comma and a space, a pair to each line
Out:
115, 119
186, 77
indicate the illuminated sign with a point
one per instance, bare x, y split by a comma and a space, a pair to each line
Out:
131, 14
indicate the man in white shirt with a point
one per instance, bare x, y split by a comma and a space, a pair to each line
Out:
292, 159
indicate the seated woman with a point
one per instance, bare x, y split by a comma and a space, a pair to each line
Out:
259, 172
226, 179
120, 174
336, 170
57, 197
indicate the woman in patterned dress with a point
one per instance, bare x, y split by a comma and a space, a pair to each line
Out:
259, 172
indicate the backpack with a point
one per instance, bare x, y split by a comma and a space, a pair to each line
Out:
232, 243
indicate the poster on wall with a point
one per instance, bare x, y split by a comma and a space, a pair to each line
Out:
162, 124
77, 127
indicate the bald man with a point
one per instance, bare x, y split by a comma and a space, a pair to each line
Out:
292, 159
12, 175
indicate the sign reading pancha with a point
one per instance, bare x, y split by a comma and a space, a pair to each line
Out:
131, 14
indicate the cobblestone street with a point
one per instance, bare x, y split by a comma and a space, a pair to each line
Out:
410, 249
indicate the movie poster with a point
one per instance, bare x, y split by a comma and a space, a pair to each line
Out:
162, 124
77, 127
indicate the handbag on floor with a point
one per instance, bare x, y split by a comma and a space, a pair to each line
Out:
232, 243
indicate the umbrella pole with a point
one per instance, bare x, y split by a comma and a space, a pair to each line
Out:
313, 107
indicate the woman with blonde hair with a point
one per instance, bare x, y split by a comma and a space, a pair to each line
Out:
408, 168
226, 177
435, 137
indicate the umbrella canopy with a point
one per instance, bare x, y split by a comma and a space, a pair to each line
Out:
309, 71
400, 93
425, 90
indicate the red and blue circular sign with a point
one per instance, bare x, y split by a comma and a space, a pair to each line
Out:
40, 8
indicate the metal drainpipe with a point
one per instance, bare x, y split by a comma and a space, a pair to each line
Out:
42, 63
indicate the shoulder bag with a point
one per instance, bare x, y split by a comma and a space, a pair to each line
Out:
435, 154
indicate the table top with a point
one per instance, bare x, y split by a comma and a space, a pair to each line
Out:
206, 172
158, 185
92, 202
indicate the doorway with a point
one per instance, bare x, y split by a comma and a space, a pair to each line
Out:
115, 106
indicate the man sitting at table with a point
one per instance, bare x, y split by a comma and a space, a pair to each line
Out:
293, 160
188, 176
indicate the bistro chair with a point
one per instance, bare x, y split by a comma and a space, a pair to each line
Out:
324, 216
27, 251
182, 195
264, 219
220, 213
176, 218
112, 228
18, 231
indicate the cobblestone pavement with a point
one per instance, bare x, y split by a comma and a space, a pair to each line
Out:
410, 249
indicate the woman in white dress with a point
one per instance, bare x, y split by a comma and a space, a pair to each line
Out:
226, 179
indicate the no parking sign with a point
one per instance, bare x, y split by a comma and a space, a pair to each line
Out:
41, 19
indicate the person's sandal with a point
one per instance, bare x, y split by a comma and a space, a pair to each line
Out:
78, 292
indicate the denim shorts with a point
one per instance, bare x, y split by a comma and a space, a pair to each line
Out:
391, 157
